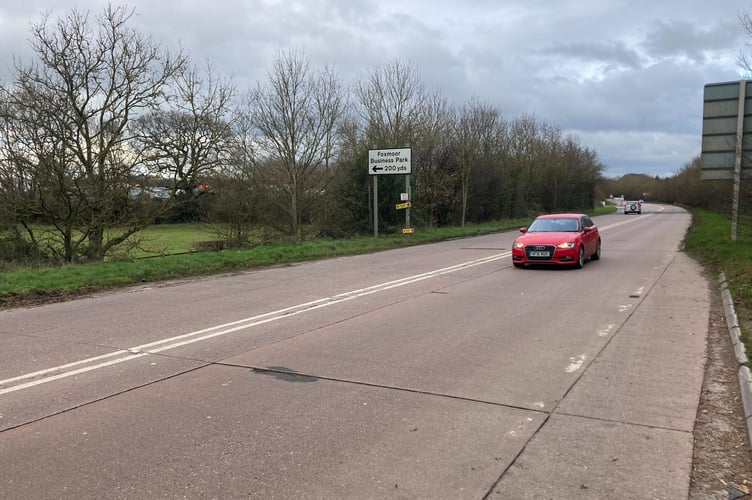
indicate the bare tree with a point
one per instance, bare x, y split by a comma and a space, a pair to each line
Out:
522, 164
391, 104
188, 141
69, 114
434, 174
395, 110
17, 206
745, 59
296, 114
238, 202
476, 132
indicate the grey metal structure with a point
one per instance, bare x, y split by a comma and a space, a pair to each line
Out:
727, 137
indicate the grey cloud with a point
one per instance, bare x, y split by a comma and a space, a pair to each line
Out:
626, 75
614, 53
691, 41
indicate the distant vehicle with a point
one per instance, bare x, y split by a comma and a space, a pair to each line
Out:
561, 239
632, 207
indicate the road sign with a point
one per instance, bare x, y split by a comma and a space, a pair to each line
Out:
726, 117
400, 206
727, 137
390, 161
408, 230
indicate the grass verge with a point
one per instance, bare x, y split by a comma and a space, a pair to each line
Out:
35, 284
709, 241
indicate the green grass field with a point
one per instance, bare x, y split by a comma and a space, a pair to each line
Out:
709, 241
179, 260
173, 238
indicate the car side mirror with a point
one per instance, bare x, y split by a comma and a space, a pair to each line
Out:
523, 229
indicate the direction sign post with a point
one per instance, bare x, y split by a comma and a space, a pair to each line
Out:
726, 137
409, 204
726, 130
388, 162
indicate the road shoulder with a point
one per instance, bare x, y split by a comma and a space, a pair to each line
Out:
722, 462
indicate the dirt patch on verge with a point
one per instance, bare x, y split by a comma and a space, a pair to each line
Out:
722, 463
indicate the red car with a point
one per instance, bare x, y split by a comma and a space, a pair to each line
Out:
565, 239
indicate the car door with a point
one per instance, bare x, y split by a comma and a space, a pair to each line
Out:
589, 238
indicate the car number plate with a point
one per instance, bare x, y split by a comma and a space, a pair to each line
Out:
536, 253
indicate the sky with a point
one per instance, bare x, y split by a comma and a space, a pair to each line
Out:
625, 77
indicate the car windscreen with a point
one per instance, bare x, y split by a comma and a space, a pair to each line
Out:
554, 225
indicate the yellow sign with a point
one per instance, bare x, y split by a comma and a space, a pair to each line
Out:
408, 230
400, 206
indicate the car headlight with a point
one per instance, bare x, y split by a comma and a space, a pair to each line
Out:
568, 244
518, 244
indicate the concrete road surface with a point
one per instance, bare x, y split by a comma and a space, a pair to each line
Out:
430, 372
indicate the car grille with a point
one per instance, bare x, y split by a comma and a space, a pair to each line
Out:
529, 249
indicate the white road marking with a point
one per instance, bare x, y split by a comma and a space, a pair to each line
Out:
131, 353
627, 221
96, 362
606, 330
637, 293
65, 374
576, 363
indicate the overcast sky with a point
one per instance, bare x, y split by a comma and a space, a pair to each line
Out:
625, 76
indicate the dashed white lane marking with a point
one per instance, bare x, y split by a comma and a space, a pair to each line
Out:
576, 363
606, 330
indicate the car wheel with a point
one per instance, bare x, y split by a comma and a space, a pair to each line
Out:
597, 254
580, 258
